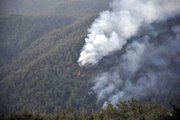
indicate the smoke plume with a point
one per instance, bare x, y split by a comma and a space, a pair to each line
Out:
113, 28
147, 35
148, 69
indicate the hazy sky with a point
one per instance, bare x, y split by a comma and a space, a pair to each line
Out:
46, 7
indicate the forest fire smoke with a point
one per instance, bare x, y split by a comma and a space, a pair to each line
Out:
148, 63
113, 28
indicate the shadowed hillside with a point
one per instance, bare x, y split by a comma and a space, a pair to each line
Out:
18, 32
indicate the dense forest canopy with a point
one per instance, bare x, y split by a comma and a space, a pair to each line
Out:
40, 78
39, 46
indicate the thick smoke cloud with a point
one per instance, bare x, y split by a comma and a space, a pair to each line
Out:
148, 68
113, 28
147, 34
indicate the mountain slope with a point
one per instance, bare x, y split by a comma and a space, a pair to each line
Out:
39, 52
18, 32
45, 78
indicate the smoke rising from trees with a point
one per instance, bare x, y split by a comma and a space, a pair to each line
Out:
113, 28
149, 65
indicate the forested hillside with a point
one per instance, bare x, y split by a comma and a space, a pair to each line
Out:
130, 110
44, 76
40, 79
39, 46
18, 32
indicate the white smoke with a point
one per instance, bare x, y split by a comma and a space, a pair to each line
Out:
109, 85
148, 67
113, 28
